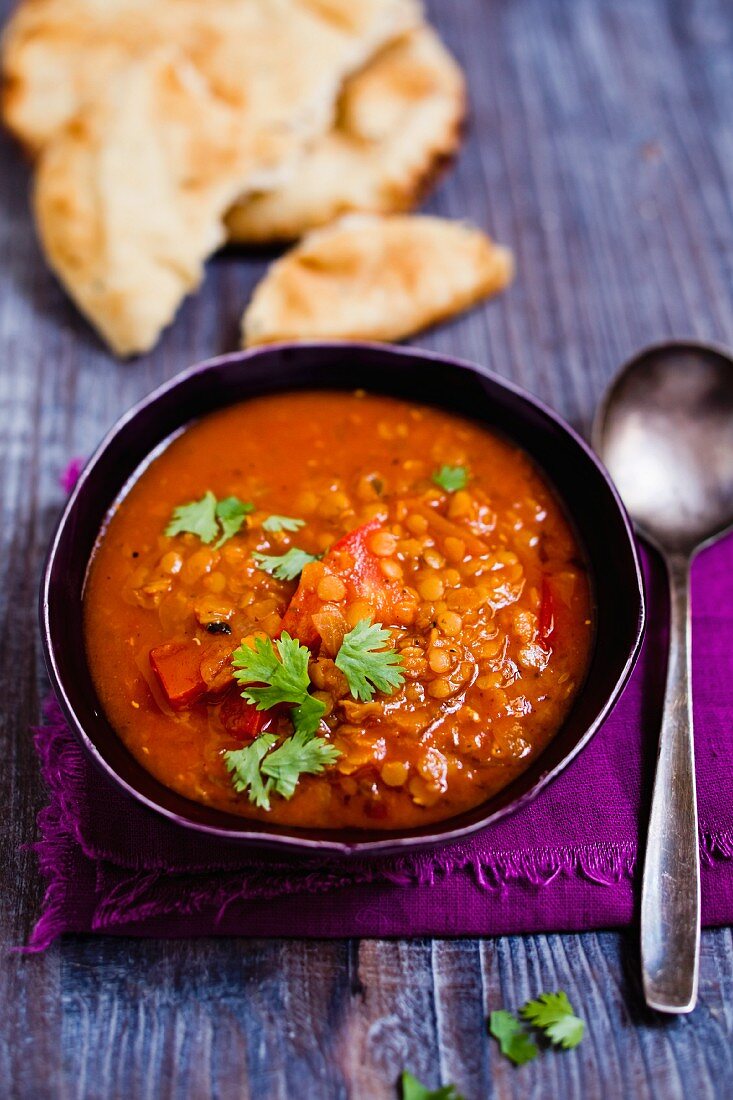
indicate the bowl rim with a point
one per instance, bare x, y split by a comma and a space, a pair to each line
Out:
289, 843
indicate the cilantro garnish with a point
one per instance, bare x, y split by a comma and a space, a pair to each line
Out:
451, 478
514, 1041
300, 754
272, 674
231, 513
197, 518
553, 1014
244, 764
208, 518
258, 771
366, 664
550, 1013
282, 523
286, 567
412, 1089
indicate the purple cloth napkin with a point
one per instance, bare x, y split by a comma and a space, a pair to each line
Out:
567, 862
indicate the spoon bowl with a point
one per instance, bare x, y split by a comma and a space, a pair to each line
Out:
665, 432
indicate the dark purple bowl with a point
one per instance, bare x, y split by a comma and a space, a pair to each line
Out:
579, 480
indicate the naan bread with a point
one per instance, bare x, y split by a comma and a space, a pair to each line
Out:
129, 202
149, 145
397, 121
372, 278
280, 61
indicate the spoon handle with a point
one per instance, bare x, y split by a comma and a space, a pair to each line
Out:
670, 899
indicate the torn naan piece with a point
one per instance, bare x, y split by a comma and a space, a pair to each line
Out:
282, 62
397, 121
375, 278
131, 192
129, 202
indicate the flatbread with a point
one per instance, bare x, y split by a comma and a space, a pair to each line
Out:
139, 163
372, 278
267, 57
129, 203
397, 121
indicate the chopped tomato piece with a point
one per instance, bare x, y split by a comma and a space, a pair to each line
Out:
547, 611
242, 719
359, 568
177, 666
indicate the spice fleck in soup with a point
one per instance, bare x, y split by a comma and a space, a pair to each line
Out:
338, 610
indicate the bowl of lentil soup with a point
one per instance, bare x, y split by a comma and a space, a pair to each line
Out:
339, 596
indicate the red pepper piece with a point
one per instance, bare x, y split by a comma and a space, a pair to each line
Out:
177, 666
353, 562
242, 719
547, 611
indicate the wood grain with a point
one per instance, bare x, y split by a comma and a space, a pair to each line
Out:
601, 149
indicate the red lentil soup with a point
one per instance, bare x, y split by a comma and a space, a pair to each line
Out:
338, 610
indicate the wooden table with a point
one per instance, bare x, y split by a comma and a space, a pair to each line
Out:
601, 148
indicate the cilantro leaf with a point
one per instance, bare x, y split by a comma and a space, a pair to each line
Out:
412, 1089
366, 664
553, 1014
231, 513
514, 1041
282, 669
279, 674
244, 764
301, 754
451, 478
208, 517
286, 567
307, 715
196, 518
282, 523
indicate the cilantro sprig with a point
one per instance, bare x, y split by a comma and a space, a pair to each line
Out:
301, 754
209, 518
270, 674
286, 567
246, 764
282, 523
366, 664
412, 1089
550, 1013
258, 771
451, 478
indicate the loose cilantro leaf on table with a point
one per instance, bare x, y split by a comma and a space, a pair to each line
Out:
412, 1089
451, 478
366, 664
244, 764
553, 1014
514, 1041
286, 567
282, 523
208, 518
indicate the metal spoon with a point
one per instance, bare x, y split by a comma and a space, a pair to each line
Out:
665, 432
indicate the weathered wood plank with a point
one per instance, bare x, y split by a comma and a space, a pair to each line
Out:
600, 147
